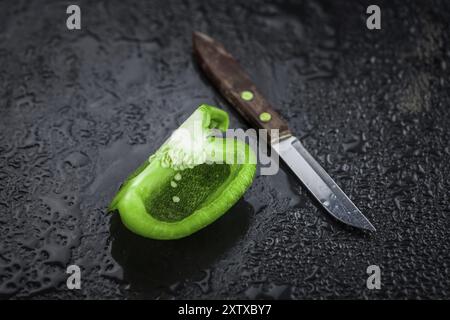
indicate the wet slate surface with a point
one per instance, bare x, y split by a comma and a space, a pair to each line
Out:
79, 110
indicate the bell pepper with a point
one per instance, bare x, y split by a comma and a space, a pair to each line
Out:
192, 180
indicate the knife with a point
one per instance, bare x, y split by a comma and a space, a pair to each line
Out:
235, 85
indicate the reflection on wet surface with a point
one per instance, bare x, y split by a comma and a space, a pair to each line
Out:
150, 266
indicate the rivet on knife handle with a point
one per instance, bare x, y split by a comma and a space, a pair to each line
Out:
237, 87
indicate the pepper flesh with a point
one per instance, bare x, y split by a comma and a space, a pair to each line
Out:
180, 190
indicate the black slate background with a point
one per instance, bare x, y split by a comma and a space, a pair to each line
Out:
80, 109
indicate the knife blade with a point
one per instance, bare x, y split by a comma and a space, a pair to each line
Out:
236, 86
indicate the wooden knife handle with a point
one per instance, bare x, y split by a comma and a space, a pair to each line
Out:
235, 85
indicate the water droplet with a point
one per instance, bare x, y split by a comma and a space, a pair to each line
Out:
178, 177
173, 184
326, 203
175, 199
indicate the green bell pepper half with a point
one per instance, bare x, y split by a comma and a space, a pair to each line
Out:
192, 180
